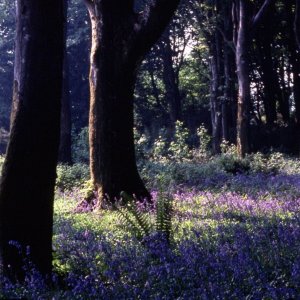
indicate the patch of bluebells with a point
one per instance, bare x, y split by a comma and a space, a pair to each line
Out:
252, 251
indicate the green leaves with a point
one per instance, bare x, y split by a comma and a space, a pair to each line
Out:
139, 222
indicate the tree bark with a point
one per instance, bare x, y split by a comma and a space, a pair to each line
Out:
215, 95
229, 101
242, 62
120, 40
245, 30
268, 74
65, 146
29, 171
297, 23
171, 82
294, 60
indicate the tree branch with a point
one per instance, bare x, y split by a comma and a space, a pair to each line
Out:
151, 23
261, 13
88, 3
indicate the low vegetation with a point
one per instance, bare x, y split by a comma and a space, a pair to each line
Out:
219, 228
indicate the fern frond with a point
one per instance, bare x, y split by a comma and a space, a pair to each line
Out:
164, 216
133, 217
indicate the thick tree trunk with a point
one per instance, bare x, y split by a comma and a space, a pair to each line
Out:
297, 23
242, 62
65, 151
65, 146
112, 79
29, 171
120, 40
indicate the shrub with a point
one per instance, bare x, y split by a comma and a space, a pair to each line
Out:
80, 146
178, 148
69, 177
205, 140
141, 145
160, 149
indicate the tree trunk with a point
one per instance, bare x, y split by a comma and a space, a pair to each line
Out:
297, 23
294, 60
215, 102
120, 40
242, 62
112, 154
65, 151
171, 82
29, 171
270, 85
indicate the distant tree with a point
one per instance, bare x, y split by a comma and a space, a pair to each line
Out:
245, 25
29, 171
121, 37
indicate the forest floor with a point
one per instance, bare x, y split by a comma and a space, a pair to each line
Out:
235, 234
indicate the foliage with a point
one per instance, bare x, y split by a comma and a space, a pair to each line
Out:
240, 241
178, 148
80, 146
160, 150
133, 215
141, 145
204, 141
69, 177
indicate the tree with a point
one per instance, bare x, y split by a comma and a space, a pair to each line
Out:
297, 23
121, 36
65, 155
29, 171
245, 28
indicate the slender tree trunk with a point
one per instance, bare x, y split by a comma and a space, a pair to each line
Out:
65, 151
294, 60
171, 82
29, 171
269, 82
120, 40
242, 62
228, 102
215, 102
284, 106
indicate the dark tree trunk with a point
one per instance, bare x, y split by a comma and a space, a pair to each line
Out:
270, 85
65, 146
65, 151
294, 59
245, 30
171, 82
284, 106
229, 101
29, 171
120, 40
297, 23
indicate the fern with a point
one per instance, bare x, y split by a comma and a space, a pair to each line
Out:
139, 222
164, 216
133, 218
